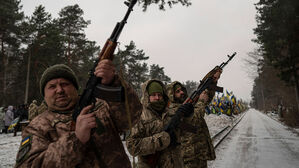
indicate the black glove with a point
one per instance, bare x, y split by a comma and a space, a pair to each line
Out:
173, 139
186, 109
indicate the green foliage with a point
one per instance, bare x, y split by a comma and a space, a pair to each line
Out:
157, 72
163, 3
72, 24
43, 44
10, 31
132, 63
277, 33
79, 53
49, 41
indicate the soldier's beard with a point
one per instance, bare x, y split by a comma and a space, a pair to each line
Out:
180, 99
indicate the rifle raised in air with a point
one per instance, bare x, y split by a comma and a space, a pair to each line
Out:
208, 82
93, 88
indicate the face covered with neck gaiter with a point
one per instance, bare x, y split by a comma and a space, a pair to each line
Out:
157, 102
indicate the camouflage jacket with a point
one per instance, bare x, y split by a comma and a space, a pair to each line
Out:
49, 141
35, 110
32, 111
199, 145
147, 137
194, 145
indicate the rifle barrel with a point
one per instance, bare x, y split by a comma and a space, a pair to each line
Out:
230, 57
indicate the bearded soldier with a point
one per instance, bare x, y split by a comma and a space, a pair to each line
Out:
52, 140
196, 145
177, 94
148, 140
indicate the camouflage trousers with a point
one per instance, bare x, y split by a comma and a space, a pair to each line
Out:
196, 163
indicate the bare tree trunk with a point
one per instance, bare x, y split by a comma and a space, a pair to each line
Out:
297, 95
262, 93
4, 74
295, 75
297, 91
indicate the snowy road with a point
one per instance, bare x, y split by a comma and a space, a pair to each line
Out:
258, 142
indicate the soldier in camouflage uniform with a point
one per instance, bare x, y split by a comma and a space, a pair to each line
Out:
148, 140
32, 111
198, 147
52, 140
35, 110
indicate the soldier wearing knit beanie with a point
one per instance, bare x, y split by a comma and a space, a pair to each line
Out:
58, 71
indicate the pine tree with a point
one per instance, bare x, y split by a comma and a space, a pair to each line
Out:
134, 67
157, 72
277, 33
79, 52
163, 3
10, 20
43, 48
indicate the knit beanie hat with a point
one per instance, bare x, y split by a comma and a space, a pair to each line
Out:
176, 86
154, 87
57, 71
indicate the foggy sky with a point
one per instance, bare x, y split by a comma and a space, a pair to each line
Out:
187, 41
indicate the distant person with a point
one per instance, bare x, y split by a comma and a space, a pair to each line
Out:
35, 110
32, 111
9, 117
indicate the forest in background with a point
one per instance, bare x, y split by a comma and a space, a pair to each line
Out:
30, 44
276, 60
39, 41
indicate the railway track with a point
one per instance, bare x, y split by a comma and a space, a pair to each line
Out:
222, 134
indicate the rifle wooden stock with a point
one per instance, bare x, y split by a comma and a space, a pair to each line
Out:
108, 50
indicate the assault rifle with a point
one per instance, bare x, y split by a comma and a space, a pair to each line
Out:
207, 83
93, 88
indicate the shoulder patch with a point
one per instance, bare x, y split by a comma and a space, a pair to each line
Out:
24, 149
26, 140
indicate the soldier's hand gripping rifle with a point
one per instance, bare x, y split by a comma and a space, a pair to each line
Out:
209, 83
93, 88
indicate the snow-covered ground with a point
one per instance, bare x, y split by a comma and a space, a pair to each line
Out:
9, 144
260, 142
